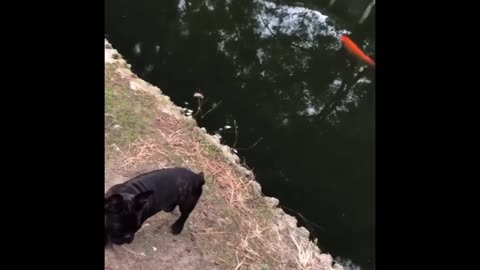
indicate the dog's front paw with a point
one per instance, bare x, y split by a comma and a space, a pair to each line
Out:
177, 228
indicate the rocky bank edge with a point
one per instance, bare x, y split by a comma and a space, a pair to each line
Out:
291, 243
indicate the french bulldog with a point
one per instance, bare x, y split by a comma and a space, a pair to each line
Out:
128, 205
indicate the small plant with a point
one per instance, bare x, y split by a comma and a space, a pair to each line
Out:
265, 267
200, 101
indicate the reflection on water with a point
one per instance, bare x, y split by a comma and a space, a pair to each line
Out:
300, 110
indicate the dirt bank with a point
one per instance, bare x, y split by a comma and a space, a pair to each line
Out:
233, 226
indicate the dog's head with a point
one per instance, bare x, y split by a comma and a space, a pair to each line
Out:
123, 214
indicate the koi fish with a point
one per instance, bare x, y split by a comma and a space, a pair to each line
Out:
355, 50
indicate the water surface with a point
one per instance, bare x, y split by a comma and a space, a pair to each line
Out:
302, 107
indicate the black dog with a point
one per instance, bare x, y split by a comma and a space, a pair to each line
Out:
129, 204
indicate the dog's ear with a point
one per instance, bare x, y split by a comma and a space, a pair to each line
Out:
142, 198
201, 174
114, 203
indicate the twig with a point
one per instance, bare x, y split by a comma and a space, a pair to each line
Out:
236, 134
200, 103
133, 252
304, 218
211, 232
239, 263
213, 108
253, 145
268, 28
278, 234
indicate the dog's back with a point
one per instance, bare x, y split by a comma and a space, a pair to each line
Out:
159, 180
171, 186
167, 176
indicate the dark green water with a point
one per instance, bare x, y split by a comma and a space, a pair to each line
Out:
280, 75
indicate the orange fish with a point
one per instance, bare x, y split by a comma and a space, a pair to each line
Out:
355, 50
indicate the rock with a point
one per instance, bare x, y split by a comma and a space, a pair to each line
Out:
304, 232
246, 172
257, 188
337, 267
133, 85
291, 221
272, 202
